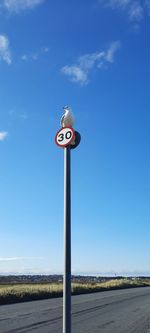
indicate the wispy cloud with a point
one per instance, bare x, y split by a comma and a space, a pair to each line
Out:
135, 9
76, 73
147, 6
113, 48
16, 114
79, 71
18, 258
5, 53
11, 259
115, 3
30, 57
3, 136
19, 5
24, 57
33, 56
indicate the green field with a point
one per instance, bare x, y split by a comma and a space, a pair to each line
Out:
13, 293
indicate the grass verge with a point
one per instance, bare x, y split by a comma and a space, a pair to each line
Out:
14, 293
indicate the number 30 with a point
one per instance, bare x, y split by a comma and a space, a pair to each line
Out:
67, 136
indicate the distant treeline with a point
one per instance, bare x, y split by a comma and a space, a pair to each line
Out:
59, 278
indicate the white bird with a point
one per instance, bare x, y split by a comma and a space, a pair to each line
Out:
68, 118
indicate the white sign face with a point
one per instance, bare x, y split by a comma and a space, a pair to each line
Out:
65, 136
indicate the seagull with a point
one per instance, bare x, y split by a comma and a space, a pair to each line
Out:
68, 118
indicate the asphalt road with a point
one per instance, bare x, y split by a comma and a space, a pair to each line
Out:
120, 311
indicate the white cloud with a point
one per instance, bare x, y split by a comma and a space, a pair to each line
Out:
5, 54
79, 72
18, 258
45, 49
3, 136
34, 56
135, 9
10, 259
116, 3
24, 57
112, 50
30, 57
136, 12
147, 5
76, 73
18, 5
87, 61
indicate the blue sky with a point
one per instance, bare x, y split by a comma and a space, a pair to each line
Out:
95, 57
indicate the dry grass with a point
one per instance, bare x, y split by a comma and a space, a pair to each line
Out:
25, 292
110, 284
12, 293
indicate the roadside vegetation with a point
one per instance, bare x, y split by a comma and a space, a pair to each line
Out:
14, 292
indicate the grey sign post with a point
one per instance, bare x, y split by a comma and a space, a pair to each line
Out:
68, 139
67, 243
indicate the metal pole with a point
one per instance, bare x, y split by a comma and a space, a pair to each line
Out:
67, 243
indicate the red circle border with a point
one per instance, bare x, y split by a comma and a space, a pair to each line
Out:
63, 146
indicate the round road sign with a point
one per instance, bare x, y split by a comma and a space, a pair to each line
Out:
76, 141
64, 136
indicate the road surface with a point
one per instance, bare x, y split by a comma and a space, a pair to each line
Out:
118, 311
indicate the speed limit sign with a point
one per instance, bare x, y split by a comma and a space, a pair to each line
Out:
64, 136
